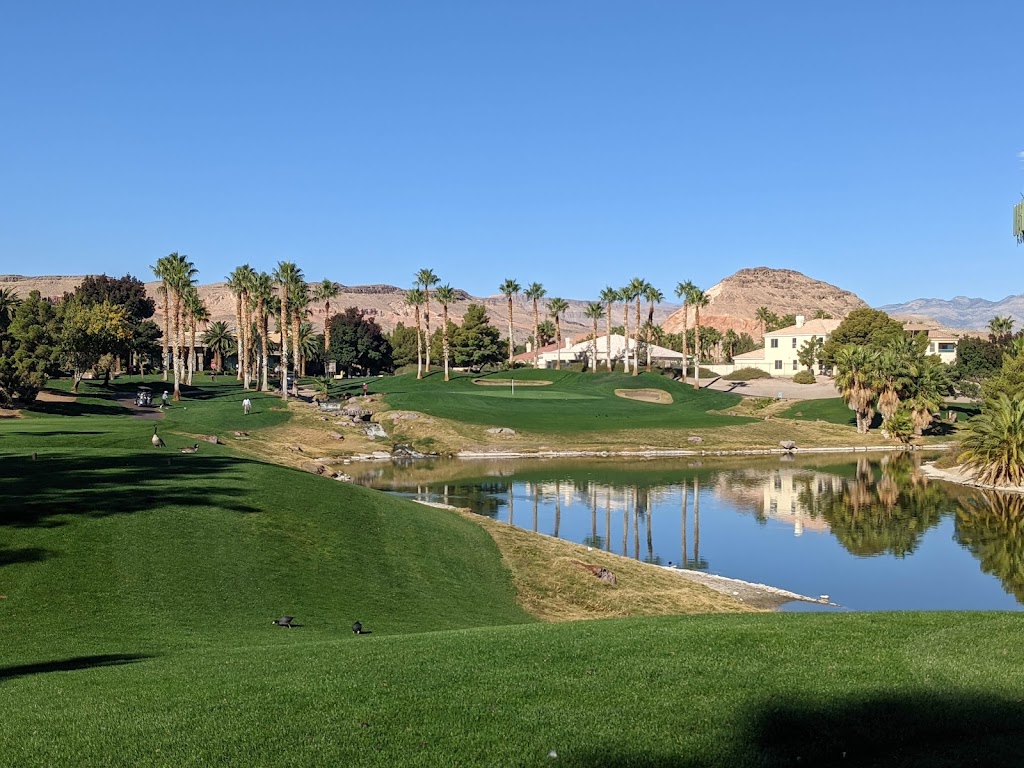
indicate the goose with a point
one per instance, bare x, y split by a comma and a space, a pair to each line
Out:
158, 442
192, 449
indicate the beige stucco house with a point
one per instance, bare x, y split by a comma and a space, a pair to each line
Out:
781, 347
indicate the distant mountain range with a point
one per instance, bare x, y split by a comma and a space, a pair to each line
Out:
961, 311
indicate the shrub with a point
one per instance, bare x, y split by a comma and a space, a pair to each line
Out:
746, 374
804, 377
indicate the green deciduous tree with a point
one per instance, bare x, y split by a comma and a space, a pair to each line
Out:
476, 342
29, 352
358, 342
89, 332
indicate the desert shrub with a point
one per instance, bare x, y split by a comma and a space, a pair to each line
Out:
746, 374
759, 403
804, 377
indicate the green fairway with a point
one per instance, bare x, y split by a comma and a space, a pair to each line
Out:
572, 403
137, 588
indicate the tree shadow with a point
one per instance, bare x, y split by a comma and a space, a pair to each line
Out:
23, 555
43, 492
913, 728
72, 664
77, 408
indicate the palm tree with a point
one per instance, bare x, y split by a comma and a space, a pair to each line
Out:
195, 312
510, 288
219, 339
414, 298
445, 295
556, 307
325, 291
637, 288
609, 296
285, 276
626, 298
9, 303
764, 317
653, 296
426, 278
994, 445
237, 284
856, 380
309, 343
162, 270
535, 292
262, 295
698, 299
683, 290
180, 277
298, 308
730, 339
595, 311
1000, 328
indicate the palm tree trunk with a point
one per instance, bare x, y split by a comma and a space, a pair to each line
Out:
265, 346
593, 362
511, 346
558, 341
296, 357
419, 345
327, 327
444, 338
240, 372
426, 321
686, 330
636, 356
282, 319
167, 329
176, 348
192, 351
536, 336
696, 347
625, 336
608, 327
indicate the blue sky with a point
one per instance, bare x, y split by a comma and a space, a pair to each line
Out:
874, 145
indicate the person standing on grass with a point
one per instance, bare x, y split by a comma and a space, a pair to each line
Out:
163, 399
364, 389
246, 406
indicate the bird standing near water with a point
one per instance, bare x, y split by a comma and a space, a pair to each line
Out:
158, 442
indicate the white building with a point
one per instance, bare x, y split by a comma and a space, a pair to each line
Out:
584, 350
779, 357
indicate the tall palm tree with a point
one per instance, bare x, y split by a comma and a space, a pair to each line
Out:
653, 297
556, 307
683, 290
219, 339
162, 270
445, 296
285, 276
180, 277
609, 296
237, 285
510, 288
698, 299
425, 279
195, 313
626, 298
637, 287
325, 291
415, 298
262, 294
595, 311
1000, 327
298, 308
535, 292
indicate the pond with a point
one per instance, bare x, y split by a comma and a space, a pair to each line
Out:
871, 532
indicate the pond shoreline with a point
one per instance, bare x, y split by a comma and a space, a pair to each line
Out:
673, 452
963, 476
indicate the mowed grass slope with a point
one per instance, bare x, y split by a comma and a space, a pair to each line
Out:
138, 587
571, 403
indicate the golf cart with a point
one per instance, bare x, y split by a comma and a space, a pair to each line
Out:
144, 396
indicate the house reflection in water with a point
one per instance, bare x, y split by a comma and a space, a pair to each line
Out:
784, 494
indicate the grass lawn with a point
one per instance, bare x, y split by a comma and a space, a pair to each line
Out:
572, 403
137, 587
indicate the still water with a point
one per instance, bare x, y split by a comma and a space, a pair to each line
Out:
873, 533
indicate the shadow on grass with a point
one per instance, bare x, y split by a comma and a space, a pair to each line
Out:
23, 555
42, 492
913, 729
72, 664
77, 408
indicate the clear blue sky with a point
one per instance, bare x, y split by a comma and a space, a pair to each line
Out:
874, 145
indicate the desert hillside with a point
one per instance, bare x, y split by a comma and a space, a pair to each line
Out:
734, 301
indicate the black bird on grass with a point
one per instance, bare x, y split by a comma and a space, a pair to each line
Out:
158, 442
285, 621
357, 629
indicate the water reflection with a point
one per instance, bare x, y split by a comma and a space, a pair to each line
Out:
875, 532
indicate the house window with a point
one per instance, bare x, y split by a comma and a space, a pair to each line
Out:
795, 364
778, 365
947, 347
775, 343
794, 342
931, 348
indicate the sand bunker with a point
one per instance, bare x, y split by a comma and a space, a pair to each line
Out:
508, 382
49, 396
647, 395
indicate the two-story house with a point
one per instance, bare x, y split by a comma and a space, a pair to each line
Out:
779, 357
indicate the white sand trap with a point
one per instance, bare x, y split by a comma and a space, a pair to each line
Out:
508, 382
647, 395
49, 396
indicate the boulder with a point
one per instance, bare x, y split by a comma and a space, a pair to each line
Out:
316, 469
697, 440
787, 445
501, 431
